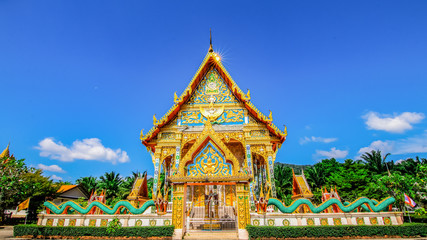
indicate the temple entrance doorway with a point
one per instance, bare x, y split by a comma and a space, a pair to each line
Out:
211, 207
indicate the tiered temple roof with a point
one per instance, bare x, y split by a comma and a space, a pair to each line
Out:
211, 61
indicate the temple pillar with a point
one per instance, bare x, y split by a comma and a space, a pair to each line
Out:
177, 158
156, 177
270, 165
178, 206
176, 164
243, 206
250, 168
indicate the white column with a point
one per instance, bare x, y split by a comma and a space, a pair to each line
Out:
271, 176
249, 162
156, 176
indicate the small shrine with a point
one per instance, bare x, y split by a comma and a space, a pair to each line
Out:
329, 195
301, 190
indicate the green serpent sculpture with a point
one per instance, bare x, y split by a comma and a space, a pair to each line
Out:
63, 207
365, 203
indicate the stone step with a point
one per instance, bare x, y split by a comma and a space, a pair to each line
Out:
213, 235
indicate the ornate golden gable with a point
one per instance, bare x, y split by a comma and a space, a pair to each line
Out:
231, 96
208, 135
212, 88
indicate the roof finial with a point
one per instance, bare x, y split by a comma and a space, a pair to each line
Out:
5, 153
210, 40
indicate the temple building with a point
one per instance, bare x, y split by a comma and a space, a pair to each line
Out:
214, 151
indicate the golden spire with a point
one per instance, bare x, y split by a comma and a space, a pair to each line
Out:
210, 42
5, 153
141, 136
270, 117
155, 122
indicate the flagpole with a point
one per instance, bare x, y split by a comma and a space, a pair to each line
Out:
409, 215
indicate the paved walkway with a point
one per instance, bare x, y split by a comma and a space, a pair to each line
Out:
214, 235
6, 232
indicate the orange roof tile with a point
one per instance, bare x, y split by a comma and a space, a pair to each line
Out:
65, 188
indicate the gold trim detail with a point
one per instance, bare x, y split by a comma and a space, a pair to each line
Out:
260, 150
207, 134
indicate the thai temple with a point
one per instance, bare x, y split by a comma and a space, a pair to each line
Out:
213, 144
213, 154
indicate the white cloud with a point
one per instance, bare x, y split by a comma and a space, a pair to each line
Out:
86, 149
383, 146
316, 139
394, 124
417, 144
333, 153
54, 177
51, 168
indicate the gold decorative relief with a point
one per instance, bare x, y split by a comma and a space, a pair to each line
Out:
209, 162
227, 136
188, 137
168, 136
208, 134
258, 133
167, 151
260, 150
214, 86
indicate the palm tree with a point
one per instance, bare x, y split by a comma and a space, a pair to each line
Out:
375, 161
110, 182
421, 160
89, 183
408, 166
283, 181
316, 176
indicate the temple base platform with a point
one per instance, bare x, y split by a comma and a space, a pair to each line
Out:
127, 220
326, 219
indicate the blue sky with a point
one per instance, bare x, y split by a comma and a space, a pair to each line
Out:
80, 79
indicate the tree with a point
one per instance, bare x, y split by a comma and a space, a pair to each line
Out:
38, 187
283, 181
316, 176
351, 180
407, 166
110, 182
12, 171
420, 184
375, 161
394, 185
150, 183
89, 183
18, 182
